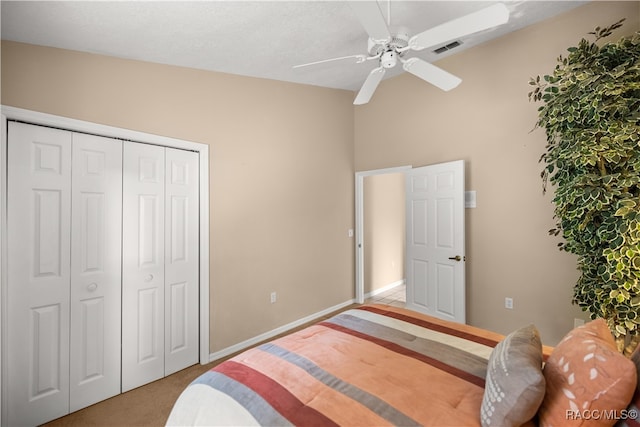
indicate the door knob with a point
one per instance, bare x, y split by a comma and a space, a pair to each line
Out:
456, 258
148, 278
92, 287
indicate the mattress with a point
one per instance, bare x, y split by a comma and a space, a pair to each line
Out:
372, 365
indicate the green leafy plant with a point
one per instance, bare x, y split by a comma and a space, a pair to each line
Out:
591, 114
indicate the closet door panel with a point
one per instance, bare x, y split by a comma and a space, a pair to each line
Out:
181, 260
143, 265
38, 215
96, 232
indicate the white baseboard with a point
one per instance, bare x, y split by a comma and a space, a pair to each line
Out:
384, 289
270, 334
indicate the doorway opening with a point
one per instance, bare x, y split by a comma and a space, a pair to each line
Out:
433, 256
380, 235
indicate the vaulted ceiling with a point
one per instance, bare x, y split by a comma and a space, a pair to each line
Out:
252, 38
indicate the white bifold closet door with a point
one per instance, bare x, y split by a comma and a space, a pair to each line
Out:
64, 260
96, 269
160, 263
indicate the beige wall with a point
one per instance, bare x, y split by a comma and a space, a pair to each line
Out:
281, 171
487, 122
384, 230
282, 164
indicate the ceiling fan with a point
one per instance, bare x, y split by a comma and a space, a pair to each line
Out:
389, 48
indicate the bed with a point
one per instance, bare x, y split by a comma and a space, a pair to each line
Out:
377, 365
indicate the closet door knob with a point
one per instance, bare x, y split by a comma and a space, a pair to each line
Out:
148, 278
91, 287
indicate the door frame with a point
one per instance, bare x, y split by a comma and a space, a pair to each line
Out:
359, 244
12, 113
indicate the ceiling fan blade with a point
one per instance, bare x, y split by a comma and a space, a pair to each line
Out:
359, 59
483, 19
370, 16
370, 84
432, 74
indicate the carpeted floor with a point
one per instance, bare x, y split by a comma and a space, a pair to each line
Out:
148, 405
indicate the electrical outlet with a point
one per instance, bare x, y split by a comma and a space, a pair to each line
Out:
508, 303
274, 297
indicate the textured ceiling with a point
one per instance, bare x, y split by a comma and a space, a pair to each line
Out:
252, 38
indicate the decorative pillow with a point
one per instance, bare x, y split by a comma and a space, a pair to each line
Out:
588, 381
515, 385
631, 418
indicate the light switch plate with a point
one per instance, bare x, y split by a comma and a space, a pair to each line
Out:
470, 199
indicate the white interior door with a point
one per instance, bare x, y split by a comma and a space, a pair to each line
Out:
38, 233
96, 233
143, 264
435, 240
181, 260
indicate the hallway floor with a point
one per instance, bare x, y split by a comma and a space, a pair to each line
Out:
396, 296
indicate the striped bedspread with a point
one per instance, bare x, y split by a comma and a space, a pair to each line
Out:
374, 365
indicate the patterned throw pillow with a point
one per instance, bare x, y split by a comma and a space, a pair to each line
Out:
514, 385
588, 381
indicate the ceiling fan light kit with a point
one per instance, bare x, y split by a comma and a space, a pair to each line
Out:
389, 48
389, 59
